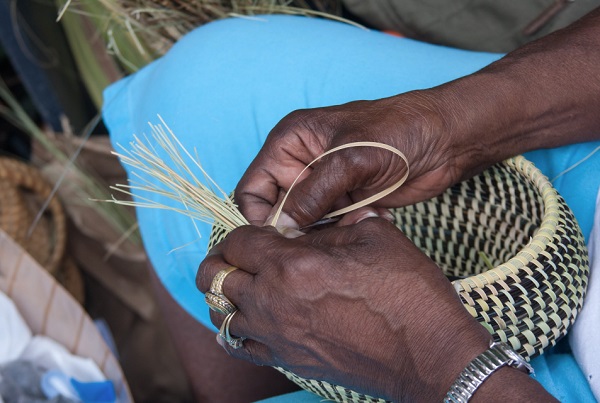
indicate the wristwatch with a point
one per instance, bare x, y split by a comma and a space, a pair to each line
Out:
497, 356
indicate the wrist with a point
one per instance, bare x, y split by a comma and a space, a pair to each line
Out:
445, 349
485, 120
510, 384
527, 100
460, 350
485, 365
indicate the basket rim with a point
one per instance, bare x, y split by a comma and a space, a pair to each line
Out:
542, 236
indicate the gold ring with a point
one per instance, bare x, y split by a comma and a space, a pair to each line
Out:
219, 303
216, 287
234, 342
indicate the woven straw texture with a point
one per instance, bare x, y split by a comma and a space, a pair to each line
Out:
23, 192
513, 250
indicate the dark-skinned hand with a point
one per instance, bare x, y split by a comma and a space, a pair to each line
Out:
356, 305
410, 124
527, 100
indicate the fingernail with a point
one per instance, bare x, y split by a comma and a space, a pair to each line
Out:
284, 220
289, 232
365, 215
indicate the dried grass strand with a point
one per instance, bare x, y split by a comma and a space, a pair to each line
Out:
202, 200
199, 199
153, 26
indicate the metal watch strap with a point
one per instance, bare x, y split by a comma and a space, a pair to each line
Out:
497, 356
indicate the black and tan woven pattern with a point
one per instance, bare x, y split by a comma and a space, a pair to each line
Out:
513, 250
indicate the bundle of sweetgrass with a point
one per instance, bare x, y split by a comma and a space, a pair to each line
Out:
179, 177
164, 159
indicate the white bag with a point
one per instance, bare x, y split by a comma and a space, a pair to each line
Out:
50, 310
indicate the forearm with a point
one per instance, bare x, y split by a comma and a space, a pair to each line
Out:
543, 95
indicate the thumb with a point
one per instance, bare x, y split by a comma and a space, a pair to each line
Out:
329, 184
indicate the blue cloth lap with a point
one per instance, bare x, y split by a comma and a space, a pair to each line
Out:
224, 86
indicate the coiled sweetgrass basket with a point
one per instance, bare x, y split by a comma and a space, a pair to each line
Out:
23, 192
513, 250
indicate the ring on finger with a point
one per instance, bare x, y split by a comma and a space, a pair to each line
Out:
234, 342
219, 303
216, 286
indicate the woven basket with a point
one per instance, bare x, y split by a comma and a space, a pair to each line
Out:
515, 254
23, 191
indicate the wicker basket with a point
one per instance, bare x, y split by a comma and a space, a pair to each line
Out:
23, 191
515, 254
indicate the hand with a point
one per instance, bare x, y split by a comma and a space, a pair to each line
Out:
527, 100
412, 123
359, 306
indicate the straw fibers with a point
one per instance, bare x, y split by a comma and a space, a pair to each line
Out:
153, 26
509, 217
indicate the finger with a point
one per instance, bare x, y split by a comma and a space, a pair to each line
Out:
212, 263
354, 235
255, 195
338, 174
386, 214
356, 216
281, 160
278, 218
255, 248
235, 286
251, 351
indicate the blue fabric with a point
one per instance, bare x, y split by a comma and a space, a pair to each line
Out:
561, 376
225, 85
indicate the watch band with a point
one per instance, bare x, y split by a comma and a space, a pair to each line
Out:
497, 356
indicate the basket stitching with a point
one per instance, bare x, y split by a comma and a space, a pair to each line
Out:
517, 220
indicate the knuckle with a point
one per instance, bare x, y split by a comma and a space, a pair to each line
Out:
299, 117
364, 159
200, 279
294, 121
369, 229
237, 239
361, 162
305, 207
249, 239
378, 238
207, 270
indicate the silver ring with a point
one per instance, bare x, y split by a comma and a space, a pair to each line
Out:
234, 342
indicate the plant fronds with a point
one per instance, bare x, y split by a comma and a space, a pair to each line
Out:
137, 31
91, 187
